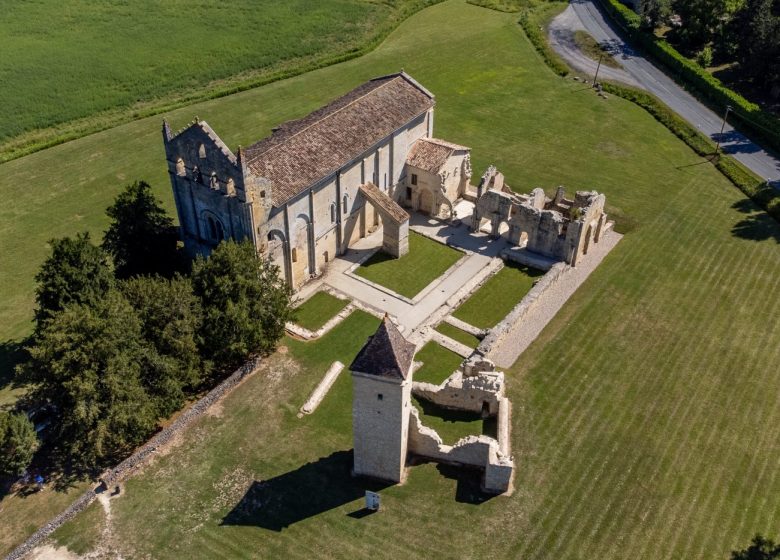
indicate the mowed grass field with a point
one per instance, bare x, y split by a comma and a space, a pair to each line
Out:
93, 62
646, 417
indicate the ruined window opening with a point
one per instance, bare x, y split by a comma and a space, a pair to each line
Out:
214, 182
409, 193
295, 255
270, 237
197, 175
333, 213
414, 178
455, 172
202, 151
180, 169
379, 397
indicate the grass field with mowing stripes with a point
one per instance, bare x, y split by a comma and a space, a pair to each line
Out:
456, 334
646, 419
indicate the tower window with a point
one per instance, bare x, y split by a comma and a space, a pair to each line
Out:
344, 204
379, 396
333, 213
414, 178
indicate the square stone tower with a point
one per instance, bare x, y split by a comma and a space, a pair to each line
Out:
381, 404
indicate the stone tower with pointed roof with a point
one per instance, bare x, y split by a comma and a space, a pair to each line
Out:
382, 383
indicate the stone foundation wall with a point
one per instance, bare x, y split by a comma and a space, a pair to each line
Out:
497, 333
113, 476
464, 393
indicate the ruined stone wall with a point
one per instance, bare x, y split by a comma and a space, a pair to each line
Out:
465, 393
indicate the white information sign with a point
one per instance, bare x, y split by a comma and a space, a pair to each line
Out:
372, 500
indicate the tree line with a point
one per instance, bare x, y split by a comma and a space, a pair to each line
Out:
742, 31
126, 331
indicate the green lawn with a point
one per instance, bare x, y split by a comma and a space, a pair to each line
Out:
425, 262
456, 334
438, 363
69, 68
496, 297
318, 310
645, 418
453, 425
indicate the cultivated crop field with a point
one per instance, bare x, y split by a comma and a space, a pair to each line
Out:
101, 62
646, 418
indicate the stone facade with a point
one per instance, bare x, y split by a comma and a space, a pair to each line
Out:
386, 427
559, 228
299, 195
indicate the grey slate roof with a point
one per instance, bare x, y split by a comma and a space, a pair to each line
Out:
387, 353
300, 153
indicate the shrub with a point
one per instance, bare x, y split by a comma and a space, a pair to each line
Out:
18, 443
539, 41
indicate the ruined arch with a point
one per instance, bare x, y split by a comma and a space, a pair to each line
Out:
213, 226
302, 239
277, 241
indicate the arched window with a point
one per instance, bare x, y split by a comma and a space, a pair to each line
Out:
197, 175
215, 230
332, 212
230, 187
202, 151
214, 182
344, 203
295, 255
220, 232
180, 169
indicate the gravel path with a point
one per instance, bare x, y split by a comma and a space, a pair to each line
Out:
550, 302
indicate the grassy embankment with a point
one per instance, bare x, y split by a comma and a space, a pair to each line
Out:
645, 417
71, 69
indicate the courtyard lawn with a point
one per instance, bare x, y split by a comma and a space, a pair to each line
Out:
453, 425
496, 297
645, 418
438, 363
106, 63
426, 261
318, 310
456, 334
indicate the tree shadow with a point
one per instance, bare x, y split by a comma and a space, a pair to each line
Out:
757, 225
733, 142
309, 490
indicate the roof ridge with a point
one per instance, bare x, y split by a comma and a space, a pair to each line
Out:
329, 115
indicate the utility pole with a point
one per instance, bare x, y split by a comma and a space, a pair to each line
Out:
597, 70
722, 127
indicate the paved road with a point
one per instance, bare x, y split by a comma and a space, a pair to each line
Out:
637, 71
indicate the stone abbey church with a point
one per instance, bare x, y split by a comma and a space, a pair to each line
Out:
317, 185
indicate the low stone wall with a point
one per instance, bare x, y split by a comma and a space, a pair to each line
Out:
113, 476
322, 389
497, 333
464, 393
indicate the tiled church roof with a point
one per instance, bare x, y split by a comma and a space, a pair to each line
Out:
387, 353
430, 154
299, 153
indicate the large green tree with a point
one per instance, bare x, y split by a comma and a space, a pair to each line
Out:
76, 272
654, 12
171, 318
245, 303
141, 237
756, 32
88, 362
702, 21
18, 443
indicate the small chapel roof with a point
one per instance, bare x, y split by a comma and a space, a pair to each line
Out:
299, 153
386, 354
430, 154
